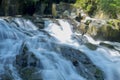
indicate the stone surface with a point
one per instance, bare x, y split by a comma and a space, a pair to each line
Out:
28, 64
102, 29
82, 63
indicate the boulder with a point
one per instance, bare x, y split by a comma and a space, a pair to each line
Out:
102, 29
28, 64
81, 62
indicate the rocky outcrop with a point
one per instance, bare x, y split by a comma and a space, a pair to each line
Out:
103, 29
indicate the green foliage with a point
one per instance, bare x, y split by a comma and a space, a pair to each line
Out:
80, 3
111, 7
88, 5
89, 8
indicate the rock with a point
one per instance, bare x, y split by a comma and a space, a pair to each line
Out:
54, 12
27, 58
79, 18
66, 13
108, 32
107, 45
37, 20
91, 46
66, 10
102, 29
5, 77
81, 28
27, 64
31, 74
118, 15
82, 63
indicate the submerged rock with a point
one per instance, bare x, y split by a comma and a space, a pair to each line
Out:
107, 45
91, 46
6, 77
81, 62
28, 64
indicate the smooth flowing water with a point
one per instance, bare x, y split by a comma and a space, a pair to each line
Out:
17, 31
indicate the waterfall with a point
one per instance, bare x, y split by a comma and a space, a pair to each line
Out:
30, 53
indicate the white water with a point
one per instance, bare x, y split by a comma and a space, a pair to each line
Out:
55, 66
20, 31
108, 60
63, 32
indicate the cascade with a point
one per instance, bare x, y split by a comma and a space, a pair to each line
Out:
54, 53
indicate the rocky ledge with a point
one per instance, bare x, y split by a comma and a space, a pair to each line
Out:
102, 29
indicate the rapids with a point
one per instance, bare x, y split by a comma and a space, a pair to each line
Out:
18, 31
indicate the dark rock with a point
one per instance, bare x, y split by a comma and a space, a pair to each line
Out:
37, 20
7, 74
79, 18
27, 64
5, 77
82, 63
30, 73
107, 45
27, 58
75, 63
91, 46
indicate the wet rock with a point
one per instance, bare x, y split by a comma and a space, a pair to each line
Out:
31, 73
5, 77
37, 20
75, 63
97, 74
27, 59
107, 45
82, 63
8, 73
27, 64
91, 46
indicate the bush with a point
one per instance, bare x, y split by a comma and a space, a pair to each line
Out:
110, 7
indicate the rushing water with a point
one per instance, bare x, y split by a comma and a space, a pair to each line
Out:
17, 31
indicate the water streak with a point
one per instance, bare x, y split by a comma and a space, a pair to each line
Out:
39, 42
